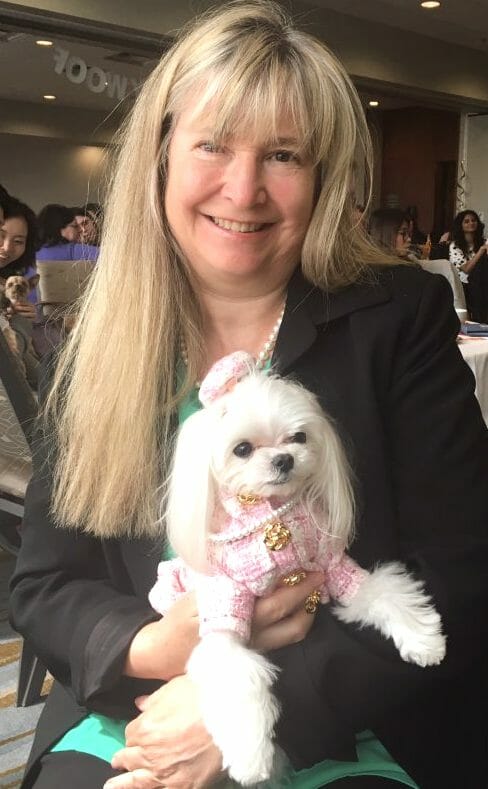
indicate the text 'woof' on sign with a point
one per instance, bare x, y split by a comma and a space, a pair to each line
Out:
95, 78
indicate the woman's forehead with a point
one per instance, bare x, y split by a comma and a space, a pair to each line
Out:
260, 130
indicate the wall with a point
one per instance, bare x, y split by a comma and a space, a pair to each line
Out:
414, 140
41, 170
54, 154
476, 181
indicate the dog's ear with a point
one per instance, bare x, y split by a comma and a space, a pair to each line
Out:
191, 497
331, 492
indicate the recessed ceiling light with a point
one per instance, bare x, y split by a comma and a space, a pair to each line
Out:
49, 97
430, 4
44, 42
373, 103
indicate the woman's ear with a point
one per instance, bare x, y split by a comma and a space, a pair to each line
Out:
191, 497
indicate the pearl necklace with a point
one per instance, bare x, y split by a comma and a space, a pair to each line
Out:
256, 526
264, 354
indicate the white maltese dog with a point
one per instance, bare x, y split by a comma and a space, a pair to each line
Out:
260, 492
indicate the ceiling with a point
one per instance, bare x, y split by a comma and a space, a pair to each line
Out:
460, 22
27, 71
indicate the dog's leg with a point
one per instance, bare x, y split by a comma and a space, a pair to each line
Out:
238, 707
393, 602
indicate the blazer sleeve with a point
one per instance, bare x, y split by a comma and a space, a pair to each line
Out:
438, 451
64, 601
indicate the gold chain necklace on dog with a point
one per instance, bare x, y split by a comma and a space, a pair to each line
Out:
263, 356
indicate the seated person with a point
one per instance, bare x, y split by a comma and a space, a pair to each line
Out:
59, 235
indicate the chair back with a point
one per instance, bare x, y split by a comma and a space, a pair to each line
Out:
449, 271
18, 412
62, 282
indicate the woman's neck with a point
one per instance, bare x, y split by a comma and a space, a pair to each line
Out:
239, 324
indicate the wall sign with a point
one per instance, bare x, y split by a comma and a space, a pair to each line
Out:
96, 79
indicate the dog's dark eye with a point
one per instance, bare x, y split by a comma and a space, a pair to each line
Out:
243, 450
298, 438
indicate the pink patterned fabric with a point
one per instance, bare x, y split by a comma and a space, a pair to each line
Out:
224, 375
245, 568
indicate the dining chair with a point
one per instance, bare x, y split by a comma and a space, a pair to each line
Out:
449, 271
61, 283
18, 414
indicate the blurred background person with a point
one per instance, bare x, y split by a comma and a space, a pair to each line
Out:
4, 195
468, 251
92, 226
18, 243
389, 229
59, 235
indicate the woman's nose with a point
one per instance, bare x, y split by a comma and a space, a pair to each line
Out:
244, 181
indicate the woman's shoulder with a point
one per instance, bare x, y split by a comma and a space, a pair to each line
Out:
68, 252
56, 252
406, 281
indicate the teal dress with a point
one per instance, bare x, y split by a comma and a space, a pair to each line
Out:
102, 737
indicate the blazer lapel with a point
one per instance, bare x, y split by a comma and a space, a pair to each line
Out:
308, 307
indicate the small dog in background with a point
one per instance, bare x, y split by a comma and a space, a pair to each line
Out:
17, 289
14, 291
260, 491
7, 331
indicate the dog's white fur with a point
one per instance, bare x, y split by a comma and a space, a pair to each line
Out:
235, 682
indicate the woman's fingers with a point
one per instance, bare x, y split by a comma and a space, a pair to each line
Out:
287, 631
138, 779
285, 600
281, 618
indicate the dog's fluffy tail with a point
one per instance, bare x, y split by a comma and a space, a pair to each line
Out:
238, 707
395, 603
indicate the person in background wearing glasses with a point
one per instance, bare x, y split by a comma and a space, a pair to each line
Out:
390, 230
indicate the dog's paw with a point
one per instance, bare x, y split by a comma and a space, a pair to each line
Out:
249, 770
424, 650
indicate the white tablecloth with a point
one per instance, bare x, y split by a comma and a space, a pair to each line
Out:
449, 271
475, 354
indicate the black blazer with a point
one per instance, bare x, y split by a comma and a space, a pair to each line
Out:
383, 360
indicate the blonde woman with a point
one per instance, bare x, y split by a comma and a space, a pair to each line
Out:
236, 164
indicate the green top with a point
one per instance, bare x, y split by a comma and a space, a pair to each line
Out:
101, 736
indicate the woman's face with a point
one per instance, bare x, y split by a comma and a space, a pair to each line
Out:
239, 212
469, 224
402, 241
13, 238
87, 231
71, 232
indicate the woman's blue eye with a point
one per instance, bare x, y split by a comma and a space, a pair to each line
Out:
243, 450
209, 147
285, 156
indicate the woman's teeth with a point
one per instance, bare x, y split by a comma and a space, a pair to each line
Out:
237, 227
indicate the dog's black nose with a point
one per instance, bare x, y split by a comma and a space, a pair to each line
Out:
283, 463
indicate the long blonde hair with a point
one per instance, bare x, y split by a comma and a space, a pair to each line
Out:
114, 393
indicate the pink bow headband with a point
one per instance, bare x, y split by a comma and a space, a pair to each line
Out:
224, 375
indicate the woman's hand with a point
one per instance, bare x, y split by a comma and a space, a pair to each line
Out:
167, 744
25, 309
161, 649
280, 618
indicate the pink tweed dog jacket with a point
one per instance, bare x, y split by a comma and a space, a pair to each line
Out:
244, 567
244, 561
